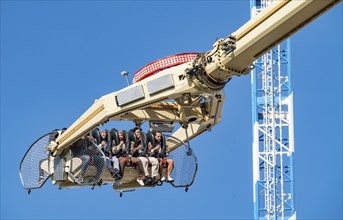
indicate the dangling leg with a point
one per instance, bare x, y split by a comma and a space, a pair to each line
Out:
122, 161
115, 172
99, 164
170, 169
160, 169
139, 166
145, 163
85, 162
115, 163
154, 166
108, 163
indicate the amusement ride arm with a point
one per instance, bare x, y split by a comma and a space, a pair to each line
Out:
192, 93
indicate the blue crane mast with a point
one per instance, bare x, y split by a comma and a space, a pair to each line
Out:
273, 131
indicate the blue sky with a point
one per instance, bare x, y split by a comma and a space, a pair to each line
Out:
57, 57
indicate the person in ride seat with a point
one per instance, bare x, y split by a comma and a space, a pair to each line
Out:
146, 158
77, 149
105, 146
119, 150
160, 151
126, 158
82, 149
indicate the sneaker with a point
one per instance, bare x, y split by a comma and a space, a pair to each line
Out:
91, 180
116, 175
148, 181
163, 178
80, 180
140, 182
154, 180
117, 183
100, 182
170, 179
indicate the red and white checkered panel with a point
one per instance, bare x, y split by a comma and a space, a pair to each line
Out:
163, 63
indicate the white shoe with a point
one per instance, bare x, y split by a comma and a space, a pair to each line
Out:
163, 178
140, 182
117, 183
170, 179
80, 180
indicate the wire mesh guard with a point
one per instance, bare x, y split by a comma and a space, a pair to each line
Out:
31, 173
91, 164
185, 166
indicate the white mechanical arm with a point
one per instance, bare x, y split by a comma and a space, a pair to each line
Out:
192, 93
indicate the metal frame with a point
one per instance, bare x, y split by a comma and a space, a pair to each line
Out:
273, 134
189, 153
21, 162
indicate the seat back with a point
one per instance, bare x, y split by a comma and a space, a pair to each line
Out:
144, 148
108, 148
132, 140
95, 133
127, 143
163, 152
109, 138
114, 136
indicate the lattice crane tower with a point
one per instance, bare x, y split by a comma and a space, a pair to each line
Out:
273, 131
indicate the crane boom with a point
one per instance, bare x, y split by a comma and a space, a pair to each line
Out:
193, 91
266, 30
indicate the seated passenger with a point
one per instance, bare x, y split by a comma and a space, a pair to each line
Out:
146, 158
78, 149
126, 156
85, 149
105, 146
118, 150
160, 151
